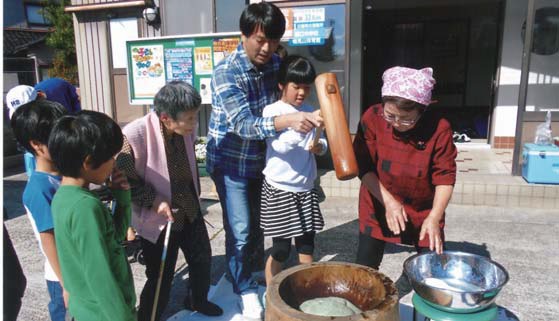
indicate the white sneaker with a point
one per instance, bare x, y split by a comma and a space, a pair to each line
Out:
251, 308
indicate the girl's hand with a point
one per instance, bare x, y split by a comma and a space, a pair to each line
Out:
315, 149
396, 217
65, 297
119, 180
431, 227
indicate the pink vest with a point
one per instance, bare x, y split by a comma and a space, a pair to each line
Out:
150, 161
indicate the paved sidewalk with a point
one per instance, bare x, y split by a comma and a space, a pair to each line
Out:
483, 178
524, 240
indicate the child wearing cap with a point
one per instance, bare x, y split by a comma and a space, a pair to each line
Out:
19, 95
32, 124
407, 167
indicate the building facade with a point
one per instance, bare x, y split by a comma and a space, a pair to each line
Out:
475, 47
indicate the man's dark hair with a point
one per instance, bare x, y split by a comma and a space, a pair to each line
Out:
34, 121
296, 69
264, 15
75, 137
176, 97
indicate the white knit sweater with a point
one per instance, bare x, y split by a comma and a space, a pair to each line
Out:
290, 166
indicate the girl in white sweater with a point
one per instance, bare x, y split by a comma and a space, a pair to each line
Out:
289, 206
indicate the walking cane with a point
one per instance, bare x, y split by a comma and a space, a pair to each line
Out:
163, 257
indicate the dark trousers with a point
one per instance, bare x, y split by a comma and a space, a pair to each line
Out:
14, 280
370, 251
194, 243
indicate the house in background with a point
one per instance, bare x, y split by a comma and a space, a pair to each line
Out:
26, 56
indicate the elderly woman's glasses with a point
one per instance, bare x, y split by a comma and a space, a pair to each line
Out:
395, 119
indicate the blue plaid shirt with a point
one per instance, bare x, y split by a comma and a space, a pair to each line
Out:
237, 129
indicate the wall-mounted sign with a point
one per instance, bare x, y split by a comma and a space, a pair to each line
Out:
153, 62
306, 26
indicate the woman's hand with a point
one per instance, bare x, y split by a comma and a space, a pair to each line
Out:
119, 180
396, 216
162, 207
431, 227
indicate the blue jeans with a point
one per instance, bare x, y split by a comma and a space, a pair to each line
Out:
56, 305
244, 240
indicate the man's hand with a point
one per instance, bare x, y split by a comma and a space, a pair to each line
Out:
302, 122
161, 207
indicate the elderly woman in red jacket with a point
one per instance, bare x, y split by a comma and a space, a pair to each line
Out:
407, 167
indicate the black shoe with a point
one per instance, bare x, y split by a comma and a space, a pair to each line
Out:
208, 308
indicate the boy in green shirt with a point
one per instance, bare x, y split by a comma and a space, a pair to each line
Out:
94, 266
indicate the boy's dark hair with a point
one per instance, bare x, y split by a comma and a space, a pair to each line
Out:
176, 97
403, 103
75, 137
34, 121
296, 69
264, 15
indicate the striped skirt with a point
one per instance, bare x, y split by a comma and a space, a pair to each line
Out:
289, 214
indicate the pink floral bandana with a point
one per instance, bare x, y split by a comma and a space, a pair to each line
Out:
412, 84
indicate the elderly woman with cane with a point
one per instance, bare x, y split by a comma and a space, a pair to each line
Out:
159, 160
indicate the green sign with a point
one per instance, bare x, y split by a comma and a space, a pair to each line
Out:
153, 62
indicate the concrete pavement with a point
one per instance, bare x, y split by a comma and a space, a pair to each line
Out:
524, 240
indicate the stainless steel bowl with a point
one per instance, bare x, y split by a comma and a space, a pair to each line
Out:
456, 282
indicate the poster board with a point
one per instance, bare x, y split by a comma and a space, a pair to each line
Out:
153, 62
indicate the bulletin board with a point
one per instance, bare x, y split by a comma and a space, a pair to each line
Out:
153, 62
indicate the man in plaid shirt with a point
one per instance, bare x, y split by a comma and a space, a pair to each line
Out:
242, 85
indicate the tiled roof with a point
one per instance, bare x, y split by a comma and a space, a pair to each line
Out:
16, 39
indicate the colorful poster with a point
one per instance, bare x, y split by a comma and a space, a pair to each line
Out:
147, 70
203, 60
205, 90
179, 64
223, 47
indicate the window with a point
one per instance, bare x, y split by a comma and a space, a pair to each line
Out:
228, 13
121, 30
34, 15
546, 31
318, 33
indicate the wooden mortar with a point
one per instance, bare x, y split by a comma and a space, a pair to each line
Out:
368, 289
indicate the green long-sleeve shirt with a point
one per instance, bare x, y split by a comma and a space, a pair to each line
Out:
94, 267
